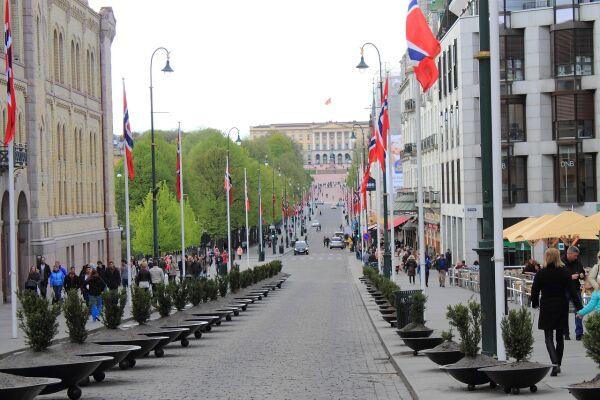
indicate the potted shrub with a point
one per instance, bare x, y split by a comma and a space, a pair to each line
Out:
211, 289
517, 335
196, 290
223, 284
76, 314
113, 307
446, 353
235, 279
467, 320
164, 302
180, 294
37, 320
141, 304
417, 327
587, 390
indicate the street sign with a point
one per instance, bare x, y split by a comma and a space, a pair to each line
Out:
366, 236
371, 184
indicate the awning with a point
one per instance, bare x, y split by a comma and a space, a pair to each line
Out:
551, 228
518, 225
400, 220
513, 234
409, 226
588, 228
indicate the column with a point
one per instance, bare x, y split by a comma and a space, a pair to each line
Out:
313, 141
335, 142
327, 133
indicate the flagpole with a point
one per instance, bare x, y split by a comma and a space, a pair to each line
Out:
181, 200
247, 225
421, 222
228, 215
360, 213
378, 199
127, 231
11, 242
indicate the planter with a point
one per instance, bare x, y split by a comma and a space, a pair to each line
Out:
414, 331
467, 370
234, 310
217, 315
223, 313
117, 352
446, 353
389, 317
387, 308
515, 376
247, 299
192, 327
587, 390
14, 387
166, 336
69, 369
381, 301
422, 343
146, 344
211, 319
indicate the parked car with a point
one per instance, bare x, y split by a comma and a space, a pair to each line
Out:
339, 235
315, 223
300, 247
336, 243
333, 207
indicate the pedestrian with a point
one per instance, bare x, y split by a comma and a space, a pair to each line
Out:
124, 271
553, 282
95, 287
575, 269
144, 278
531, 268
442, 270
173, 269
84, 275
225, 257
411, 268
71, 280
112, 276
593, 278
57, 279
448, 256
156, 276
44, 270
427, 268
240, 252
33, 279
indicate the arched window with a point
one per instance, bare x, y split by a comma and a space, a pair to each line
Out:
92, 75
37, 41
318, 159
55, 54
20, 131
73, 81
42, 157
58, 145
61, 57
88, 85
15, 27
78, 66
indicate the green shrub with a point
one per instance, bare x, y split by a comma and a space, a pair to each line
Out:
164, 301
113, 306
76, 314
196, 290
180, 294
467, 320
417, 308
37, 319
235, 279
591, 339
206, 294
141, 304
447, 335
277, 265
517, 334
223, 284
211, 289
246, 278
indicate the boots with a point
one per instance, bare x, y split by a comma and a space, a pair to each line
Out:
552, 352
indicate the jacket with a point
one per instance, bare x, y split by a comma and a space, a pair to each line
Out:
56, 278
112, 278
593, 277
553, 282
156, 274
45, 274
593, 305
71, 282
143, 276
574, 267
95, 286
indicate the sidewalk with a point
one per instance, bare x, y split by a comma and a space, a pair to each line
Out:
428, 382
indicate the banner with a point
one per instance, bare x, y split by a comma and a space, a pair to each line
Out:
397, 174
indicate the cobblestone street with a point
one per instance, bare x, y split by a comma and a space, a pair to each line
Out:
311, 340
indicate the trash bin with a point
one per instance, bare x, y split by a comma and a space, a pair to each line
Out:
261, 255
403, 303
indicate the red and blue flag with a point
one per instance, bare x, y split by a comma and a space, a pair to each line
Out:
128, 137
423, 47
11, 101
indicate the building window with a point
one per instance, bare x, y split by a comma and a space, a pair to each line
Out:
455, 50
458, 181
452, 175
512, 115
444, 74
514, 177
317, 146
573, 116
447, 183
573, 52
512, 56
443, 185
565, 10
575, 175
450, 69
439, 82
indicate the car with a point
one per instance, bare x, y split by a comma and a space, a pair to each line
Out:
339, 235
337, 243
315, 223
319, 202
333, 207
300, 247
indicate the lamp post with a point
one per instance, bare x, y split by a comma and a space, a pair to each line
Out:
261, 253
273, 235
387, 256
167, 68
230, 255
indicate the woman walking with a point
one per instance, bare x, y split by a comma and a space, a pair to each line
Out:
553, 282
411, 268
57, 279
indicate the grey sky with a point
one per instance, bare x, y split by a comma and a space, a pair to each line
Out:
249, 62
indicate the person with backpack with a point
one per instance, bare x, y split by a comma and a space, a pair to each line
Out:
442, 270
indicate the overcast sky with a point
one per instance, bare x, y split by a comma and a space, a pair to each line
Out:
250, 62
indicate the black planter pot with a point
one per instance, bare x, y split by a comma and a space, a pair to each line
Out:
117, 352
381, 301
387, 308
146, 344
248, 300
581, 393
225, 314
191, 326
166, 336
513, 378
211, 319
27, 389
235, 310
471, 374
444, 357
257, 296
389, 317
70, 373
415, 333
422, 343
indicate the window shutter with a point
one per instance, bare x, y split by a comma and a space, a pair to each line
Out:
585, 106
565, 107
563, 47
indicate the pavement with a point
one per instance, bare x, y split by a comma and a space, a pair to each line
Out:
427, 381
313, 339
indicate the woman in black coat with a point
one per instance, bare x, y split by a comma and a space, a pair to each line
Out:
553, 282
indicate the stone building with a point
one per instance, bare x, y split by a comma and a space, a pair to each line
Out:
64, 190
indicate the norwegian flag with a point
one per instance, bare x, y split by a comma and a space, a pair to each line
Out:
423, 47
178, 166
375, 153
247, 204
128, 138
10, 87
356, 200
227, 185
363, 187
383, 124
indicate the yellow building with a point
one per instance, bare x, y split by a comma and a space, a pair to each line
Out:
323, 144
64, 190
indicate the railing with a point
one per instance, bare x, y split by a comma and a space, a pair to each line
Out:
518, 287
19, 154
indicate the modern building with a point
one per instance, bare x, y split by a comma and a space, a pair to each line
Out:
64, 189
323, 144
550, 75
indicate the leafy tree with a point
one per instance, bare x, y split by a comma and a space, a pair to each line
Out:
76, 314
517, 333
467, 320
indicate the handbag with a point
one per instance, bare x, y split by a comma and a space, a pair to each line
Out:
144, 284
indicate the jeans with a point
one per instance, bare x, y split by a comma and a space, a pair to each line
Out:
125, 282
57, 293
578, 322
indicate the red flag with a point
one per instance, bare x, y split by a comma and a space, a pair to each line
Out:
227, 184
247, 204
423, 47
328, 101
11, 101
375, 153
178, 167
128, 138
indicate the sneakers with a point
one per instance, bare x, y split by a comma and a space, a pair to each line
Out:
555, 370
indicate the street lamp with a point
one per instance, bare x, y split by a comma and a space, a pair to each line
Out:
230, 255
167, 68
387, 256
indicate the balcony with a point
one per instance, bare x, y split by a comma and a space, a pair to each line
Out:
20, 156
429, 143
409, 105
410, 150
